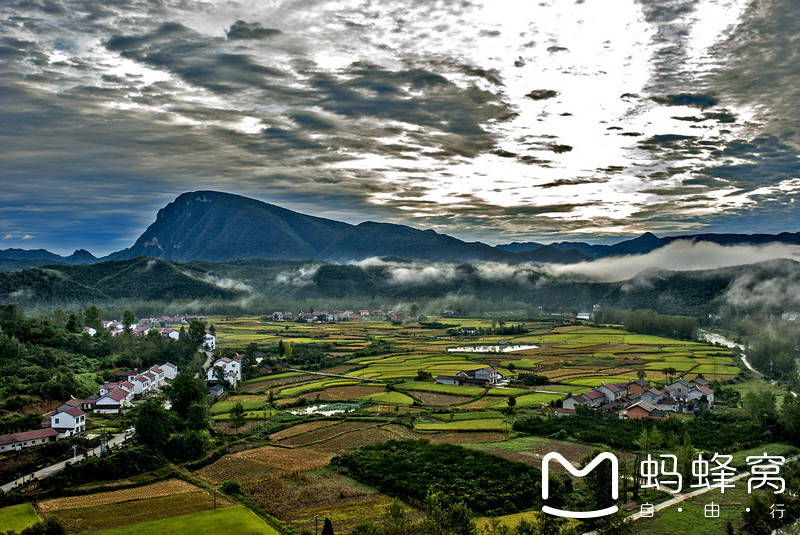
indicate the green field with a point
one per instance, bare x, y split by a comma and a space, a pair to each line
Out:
593, 381
482, 424
263, 414
235, 520
391, 398
529, 400
18, 517
462, 416
222, 407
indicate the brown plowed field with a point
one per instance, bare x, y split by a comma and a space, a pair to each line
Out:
164, 488
284, 459
343, 392
300, 429
326, 433
348, 441
115, 515
438, 400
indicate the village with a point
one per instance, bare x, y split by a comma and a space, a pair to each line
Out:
636, 399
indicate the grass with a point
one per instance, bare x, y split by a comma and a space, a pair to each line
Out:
592, 381
222, 407
462, 416
272, 377
18, 517
228, 521
392, 398
530, 400
464, 425
262, 414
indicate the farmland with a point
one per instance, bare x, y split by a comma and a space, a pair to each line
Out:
384, 377
230, 520
18, 517
120, 508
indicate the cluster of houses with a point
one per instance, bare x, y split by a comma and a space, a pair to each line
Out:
637, 399
167, 326
69, 419
486, 376
323, 316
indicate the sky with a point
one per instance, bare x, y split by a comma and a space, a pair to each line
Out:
496, 120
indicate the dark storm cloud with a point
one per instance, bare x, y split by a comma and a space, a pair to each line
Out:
244, 30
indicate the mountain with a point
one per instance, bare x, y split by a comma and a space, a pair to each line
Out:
648, 242
140, 279
11, 259
221, 227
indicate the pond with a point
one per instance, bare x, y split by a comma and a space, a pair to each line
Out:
490, 349
327, 410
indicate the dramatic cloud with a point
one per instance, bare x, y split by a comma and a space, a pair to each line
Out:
496, 121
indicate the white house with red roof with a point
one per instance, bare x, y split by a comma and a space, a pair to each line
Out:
159, 373
26, 439
141, 385
113, 402
170, 370
231, 370
68, 423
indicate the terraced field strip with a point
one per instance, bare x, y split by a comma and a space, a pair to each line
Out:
262, 414
326, 433
164, 488
344, 393
392, 398
464, 425
285, 459
438, 400
117, 515
445, 389
225, 406
229, 520
299, 429
530, 400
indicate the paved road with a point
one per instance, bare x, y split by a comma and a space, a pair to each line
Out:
57, 467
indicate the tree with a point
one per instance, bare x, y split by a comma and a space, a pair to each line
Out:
237, 413
790, 417
759, 405
197, 416
92, 318
128, 320
641, 374
366, 528
197, 332
287, 352
599, 480
327, 528
186, 390
447, 519
422, 375
669, 372
396, 521
153, 425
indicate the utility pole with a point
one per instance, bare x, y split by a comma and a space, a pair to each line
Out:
74, 453
316, 517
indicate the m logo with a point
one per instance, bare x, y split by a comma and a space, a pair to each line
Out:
580, 473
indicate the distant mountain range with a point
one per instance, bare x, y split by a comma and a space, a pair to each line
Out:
648, 242
221, 227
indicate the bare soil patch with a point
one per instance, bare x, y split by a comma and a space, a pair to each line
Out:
335, 393
438, 400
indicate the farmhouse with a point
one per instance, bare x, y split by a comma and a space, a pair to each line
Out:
114, 401
26, 439
231, 370
67, 423
449, 380
480, 377
210, 343
170, 370
643, 409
